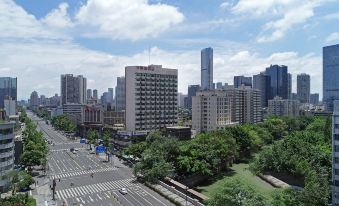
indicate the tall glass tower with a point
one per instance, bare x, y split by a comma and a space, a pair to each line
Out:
8, 88
330, 76
207, 68
279, 81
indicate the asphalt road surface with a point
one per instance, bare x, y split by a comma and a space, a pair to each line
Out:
76, 186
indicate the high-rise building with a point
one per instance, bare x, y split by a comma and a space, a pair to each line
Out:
335, 153
303, 88
10, 107
283, 107
7, 154
262, 82
73, 89
34, 100
314, 98
181, 99
207, 69
8, 88
89, 93
110, 95
95, 94
120, 95
330, 75
242, 80
289, 90
219, 85
192, 90
104, 98
216, 109
279, 81
151, 97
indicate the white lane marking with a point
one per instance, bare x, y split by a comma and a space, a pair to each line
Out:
99, 197
90, 198
46, 204
82, 200
153, 196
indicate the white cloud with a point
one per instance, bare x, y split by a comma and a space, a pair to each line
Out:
333, 37
283, 14
58, 17
38, 63
17, 23
127, 19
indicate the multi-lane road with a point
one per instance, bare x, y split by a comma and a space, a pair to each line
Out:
75, 183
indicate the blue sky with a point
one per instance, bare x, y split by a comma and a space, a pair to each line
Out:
42, 39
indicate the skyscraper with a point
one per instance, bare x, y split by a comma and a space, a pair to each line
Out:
330, 75
279, 81
151, 97
242, 80
219, 85
207, 69
314, 98
262, 82
73, 89
120, 94
335, 153
95, 94
289, 92
8, 88
110, 95
192, 91
34, 100
89, 94
303, 88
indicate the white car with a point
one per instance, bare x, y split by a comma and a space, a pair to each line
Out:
123, 191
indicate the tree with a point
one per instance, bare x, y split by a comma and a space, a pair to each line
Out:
25, 180
235, 193
136, 149
106, 141
92, 136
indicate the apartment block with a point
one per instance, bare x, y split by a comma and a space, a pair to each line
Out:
216, 109
151, 97
283, 107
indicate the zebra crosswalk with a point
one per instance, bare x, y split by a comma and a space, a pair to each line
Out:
70, 174
94, 188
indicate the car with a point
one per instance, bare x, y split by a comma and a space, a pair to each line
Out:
74, 152
123, 191
92, 152
76, 149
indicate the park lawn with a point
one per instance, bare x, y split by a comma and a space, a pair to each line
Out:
242, 172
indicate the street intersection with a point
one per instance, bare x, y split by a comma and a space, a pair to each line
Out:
86, 179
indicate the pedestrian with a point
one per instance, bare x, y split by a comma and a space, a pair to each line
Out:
59, 179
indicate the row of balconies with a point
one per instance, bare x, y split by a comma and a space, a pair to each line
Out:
6, 146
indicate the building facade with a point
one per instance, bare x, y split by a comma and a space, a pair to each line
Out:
34, 99
289, 89
151, 97
304, 88
207, 69
8, 88
89, 94
10, 107
113, 118
242, 80
73, 89
120, 95
279, 81
95, 94
330, 76
262, 82
314, 98
283, 107
192, 91
216, 109
6, 154
92, 114
335, 153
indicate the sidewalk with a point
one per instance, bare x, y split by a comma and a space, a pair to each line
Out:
171, 195
42, 192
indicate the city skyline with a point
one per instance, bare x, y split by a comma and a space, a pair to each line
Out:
100, 56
